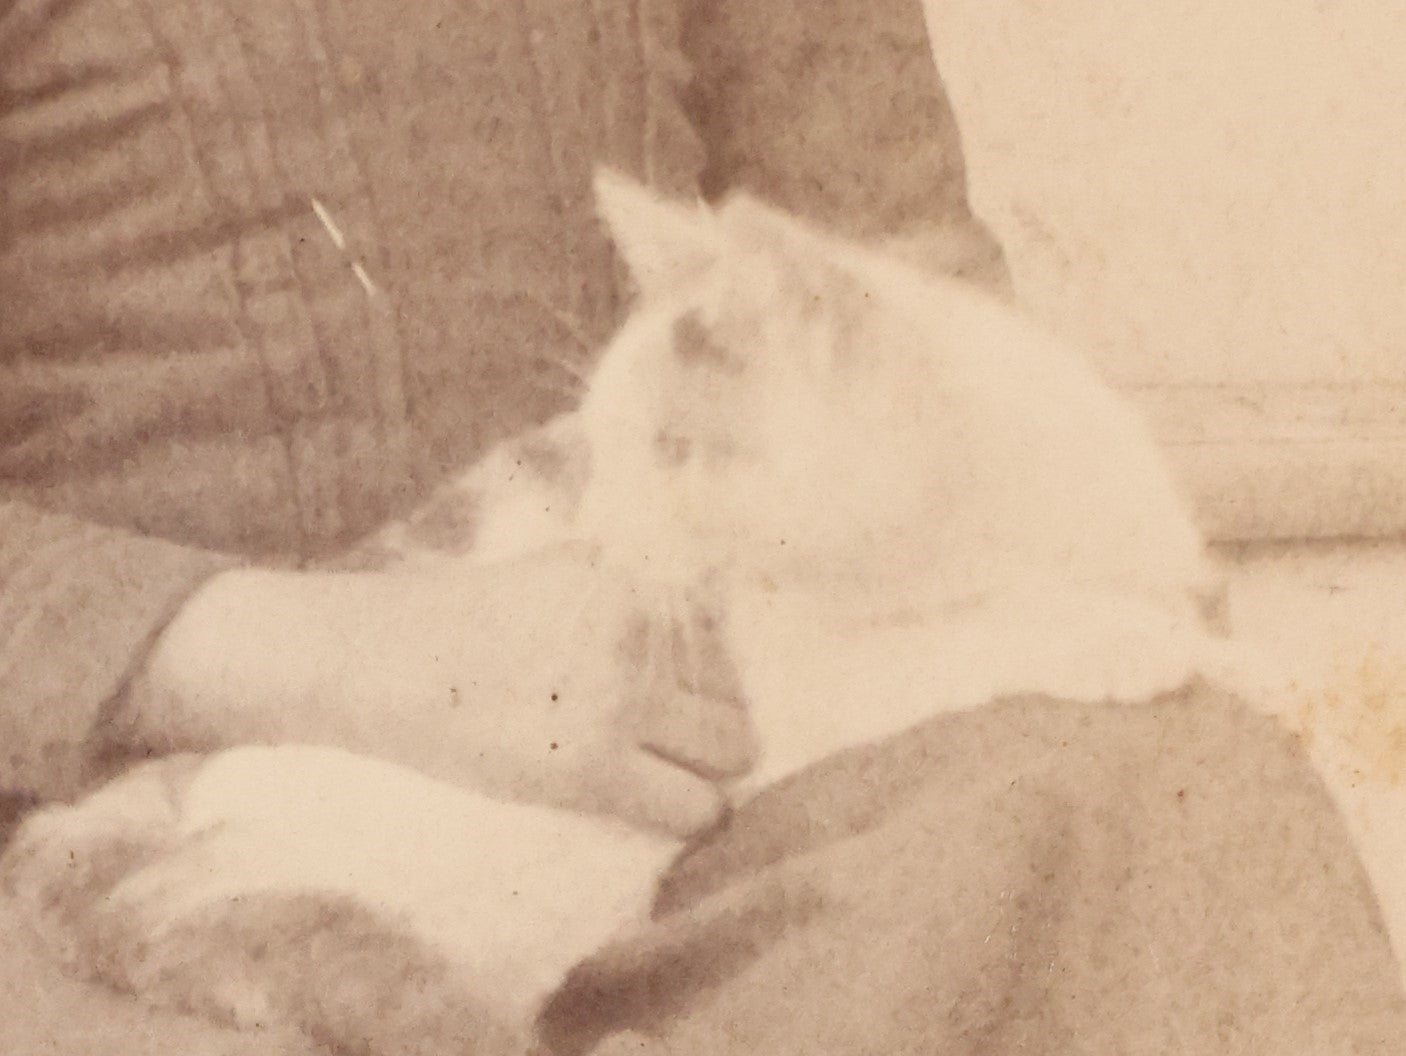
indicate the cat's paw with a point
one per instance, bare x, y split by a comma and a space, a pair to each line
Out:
142, 888
64, 862
1127, 666
347, 976
1094, 648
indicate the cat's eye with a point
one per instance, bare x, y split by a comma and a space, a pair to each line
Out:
672, 449
695, 346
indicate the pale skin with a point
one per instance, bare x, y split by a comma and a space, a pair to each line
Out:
543, 679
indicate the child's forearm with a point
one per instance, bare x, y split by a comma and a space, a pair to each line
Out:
248, 661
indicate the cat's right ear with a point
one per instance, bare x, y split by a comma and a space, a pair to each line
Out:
665, 244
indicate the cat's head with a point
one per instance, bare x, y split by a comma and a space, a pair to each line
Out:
764, 404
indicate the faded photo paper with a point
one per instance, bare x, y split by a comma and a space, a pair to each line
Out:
701, 526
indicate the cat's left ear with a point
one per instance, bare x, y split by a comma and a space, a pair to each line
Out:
806, 262
750, 224
664, 243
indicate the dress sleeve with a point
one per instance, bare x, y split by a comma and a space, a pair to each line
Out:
834, 109
79, 606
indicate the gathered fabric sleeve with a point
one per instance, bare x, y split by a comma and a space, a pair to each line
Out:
79, 607
123, 400
834, 109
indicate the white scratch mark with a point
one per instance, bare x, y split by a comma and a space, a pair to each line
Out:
340, 241
364, 279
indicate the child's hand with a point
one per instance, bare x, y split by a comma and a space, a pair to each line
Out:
545, 679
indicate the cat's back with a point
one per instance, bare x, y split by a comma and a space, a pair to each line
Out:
1052, 461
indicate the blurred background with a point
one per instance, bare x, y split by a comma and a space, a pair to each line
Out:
1211, 199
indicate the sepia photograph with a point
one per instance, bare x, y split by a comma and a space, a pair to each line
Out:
702, 528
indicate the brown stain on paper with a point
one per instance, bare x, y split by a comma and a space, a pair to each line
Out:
1364, 709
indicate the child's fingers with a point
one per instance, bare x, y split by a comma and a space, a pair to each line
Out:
654, 794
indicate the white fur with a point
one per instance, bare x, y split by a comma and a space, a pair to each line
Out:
499, 888
911, 500
953, 507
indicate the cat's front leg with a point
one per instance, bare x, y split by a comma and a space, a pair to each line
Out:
82, 875
366, 905
346, 975
64, 861
1086, 645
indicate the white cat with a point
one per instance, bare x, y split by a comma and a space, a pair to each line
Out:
905, 498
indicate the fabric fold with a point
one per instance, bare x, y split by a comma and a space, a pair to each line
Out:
80, 606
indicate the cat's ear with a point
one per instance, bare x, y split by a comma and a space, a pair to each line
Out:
805, 262
664, 243
750, 223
